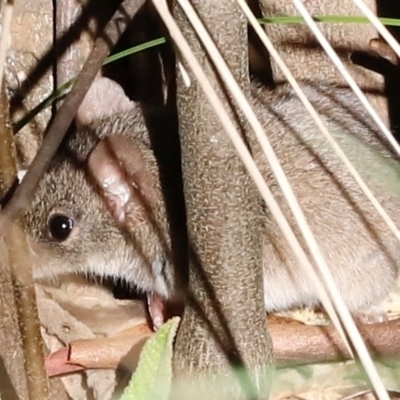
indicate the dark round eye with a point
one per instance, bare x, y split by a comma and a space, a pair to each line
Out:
60, 226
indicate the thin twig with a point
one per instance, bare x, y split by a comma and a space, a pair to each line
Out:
377, 23
23, 302
294, 344
5, 36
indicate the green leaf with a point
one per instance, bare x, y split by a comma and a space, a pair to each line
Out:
153, 376
136, 49
337, 19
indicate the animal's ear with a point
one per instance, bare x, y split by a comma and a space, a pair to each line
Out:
126, 173
104, 99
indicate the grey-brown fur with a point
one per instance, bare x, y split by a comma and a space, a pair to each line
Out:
97, 244
360, 249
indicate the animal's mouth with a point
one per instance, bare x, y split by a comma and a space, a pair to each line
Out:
160, 310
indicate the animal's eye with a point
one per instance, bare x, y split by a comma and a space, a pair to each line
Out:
60, 226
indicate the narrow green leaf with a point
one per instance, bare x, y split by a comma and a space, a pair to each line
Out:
153, 376
136, 49
342, 19
47, 102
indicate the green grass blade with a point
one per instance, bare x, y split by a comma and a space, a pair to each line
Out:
342, 19
136, 49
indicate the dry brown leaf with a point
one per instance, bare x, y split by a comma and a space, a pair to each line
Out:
81, 311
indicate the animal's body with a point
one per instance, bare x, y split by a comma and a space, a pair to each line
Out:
105, 213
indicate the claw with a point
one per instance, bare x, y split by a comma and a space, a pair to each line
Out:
157, 309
